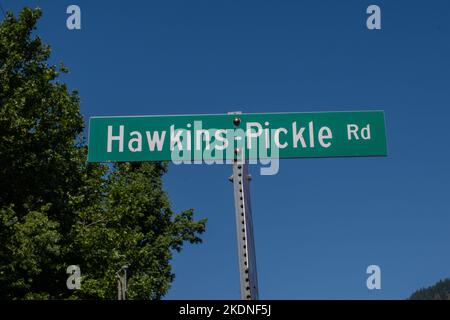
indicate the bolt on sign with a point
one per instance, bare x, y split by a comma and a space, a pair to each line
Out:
251, 136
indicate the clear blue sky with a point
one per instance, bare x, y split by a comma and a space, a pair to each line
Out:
319, 222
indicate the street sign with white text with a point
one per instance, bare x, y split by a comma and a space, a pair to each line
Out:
221, 137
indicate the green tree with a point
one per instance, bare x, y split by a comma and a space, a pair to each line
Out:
439, 291
57, 210
130, 223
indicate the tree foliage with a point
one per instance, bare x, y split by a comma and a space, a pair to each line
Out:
57, 210
439, 291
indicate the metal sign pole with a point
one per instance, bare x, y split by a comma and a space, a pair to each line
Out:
122, 285
244, 224
244, 227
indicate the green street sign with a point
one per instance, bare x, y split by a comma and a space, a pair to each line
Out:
184, 138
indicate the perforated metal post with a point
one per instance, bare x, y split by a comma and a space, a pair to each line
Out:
122, 285
244, 227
